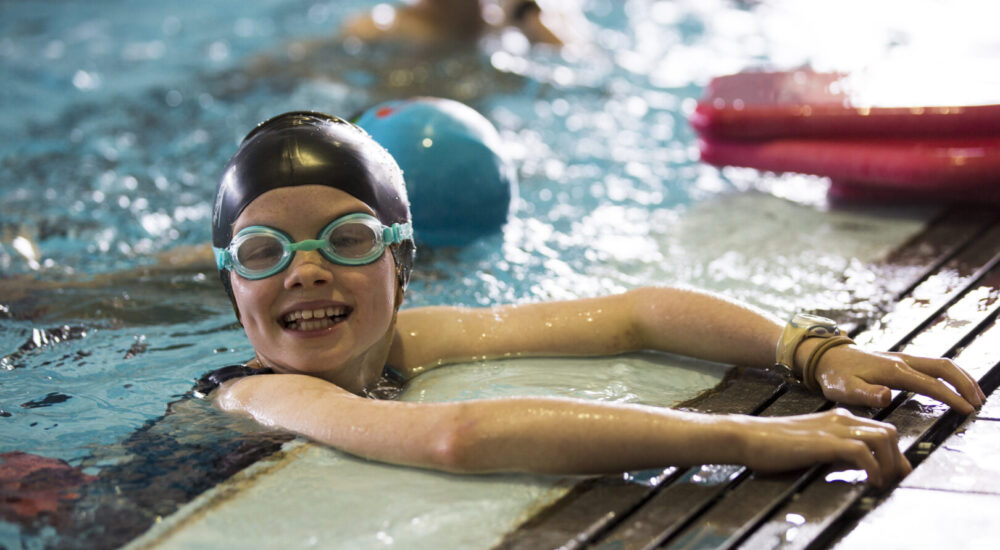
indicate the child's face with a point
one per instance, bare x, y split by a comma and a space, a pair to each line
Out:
361, 298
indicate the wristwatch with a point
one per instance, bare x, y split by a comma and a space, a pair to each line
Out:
802, 326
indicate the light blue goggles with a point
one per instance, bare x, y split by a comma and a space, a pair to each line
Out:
258, 251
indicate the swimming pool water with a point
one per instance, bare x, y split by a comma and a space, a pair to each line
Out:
117, 117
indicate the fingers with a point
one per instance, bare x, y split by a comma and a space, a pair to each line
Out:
858, 377
785, 443
873, 446
883, 443
948, 371
911, 377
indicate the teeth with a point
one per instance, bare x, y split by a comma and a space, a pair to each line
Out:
315, 325
313, 319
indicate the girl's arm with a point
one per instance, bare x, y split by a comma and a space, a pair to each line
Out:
674, 320
557, 435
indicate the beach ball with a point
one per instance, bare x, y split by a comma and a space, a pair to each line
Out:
459, 181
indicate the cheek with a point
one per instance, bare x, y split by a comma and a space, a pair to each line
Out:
381, 283
250, 295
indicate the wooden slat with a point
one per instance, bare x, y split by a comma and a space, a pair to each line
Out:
724, 525
585, 512
742, 391
926, 252
911, 263
674, 507
936, 292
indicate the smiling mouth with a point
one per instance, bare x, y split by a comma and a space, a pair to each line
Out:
315, 319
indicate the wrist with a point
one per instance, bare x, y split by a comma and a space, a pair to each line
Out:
803, 342
693, 438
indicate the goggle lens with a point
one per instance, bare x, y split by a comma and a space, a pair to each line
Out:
353, 240
260, 253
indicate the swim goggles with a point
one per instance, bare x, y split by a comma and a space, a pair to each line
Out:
258, 251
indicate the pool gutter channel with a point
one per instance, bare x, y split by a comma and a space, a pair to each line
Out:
956, 240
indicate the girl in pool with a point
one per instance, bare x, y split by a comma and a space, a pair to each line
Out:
312, 236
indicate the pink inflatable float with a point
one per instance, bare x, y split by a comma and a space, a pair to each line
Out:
814, 123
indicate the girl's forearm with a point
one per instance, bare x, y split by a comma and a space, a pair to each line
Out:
705, 326
675, 320
563, 436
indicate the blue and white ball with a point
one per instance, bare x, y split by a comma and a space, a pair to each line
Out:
459, 181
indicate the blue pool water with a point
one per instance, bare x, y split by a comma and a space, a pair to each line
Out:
116, 118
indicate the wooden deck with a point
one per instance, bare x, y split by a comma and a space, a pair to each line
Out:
945, 283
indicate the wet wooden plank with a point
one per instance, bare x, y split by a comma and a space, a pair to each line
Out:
991, 410
976, 307
586, 511
878, 287
914, 418
673, 507
936, 292
724, 525
742, 391
796, 400
926, 252
595, 507
743, 506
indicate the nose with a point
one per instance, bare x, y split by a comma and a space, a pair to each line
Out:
308, 269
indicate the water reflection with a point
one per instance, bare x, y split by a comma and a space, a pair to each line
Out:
852, 477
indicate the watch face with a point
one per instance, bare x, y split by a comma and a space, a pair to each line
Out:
816, 325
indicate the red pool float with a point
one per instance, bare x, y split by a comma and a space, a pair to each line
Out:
807, 122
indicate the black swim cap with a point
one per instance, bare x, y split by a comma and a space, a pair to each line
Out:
308, 148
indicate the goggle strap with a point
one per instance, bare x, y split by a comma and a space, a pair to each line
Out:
397, 233
222, 258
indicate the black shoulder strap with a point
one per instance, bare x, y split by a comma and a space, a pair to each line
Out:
207, 383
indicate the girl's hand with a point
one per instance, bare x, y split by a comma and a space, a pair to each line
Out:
850, 375
788, 443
